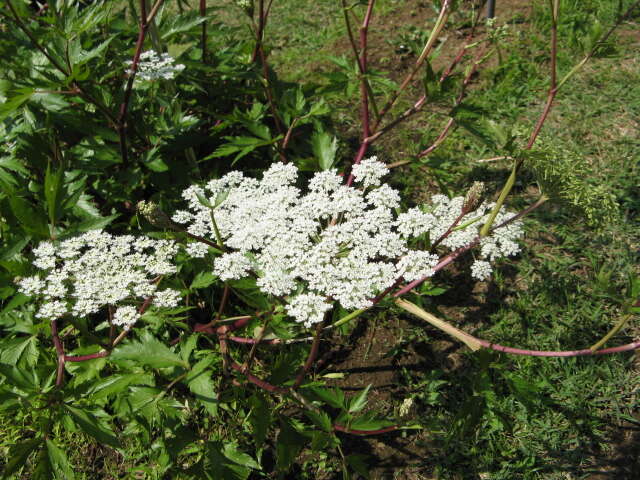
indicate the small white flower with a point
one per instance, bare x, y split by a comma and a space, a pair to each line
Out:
182, 216
481, 270
31, 286
52, 310
83, 274
308, 308
232, 266
168, 298
126, 316
331, 244
152, 66
416, 265
384, 197
369, 172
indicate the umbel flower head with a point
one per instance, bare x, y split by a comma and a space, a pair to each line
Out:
152, 66
85, 273
331, 243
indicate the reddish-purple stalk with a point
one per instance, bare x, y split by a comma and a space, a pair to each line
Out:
269, 387
446, 5
447, 128
313, 354
259, 53
364, 93
422, 100
124, 106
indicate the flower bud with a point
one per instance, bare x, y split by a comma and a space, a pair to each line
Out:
473, 197
154, 214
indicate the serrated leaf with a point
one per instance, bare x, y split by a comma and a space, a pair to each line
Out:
358, 402
201, 384
18, 455
335, 397
53, 182
358, 464
59, 464
203, 280
115, 384
324, 148
260, 419
321, 419
180, 23
30, 219
19, 377
230, 450
368, 422
90, 425
149, 351
12, 350
95, 223
15, 101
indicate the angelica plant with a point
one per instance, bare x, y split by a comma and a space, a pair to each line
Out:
331, 242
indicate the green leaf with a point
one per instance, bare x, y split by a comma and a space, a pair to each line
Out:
90, 425
30, 220
18, 455
14, 102
358, 402
358, 464
95, 223
12, 350
56, 462
180, 23
230, 450
321, 419
201, 384
53, 182
260, 419
150, 351
324, 148
335, 397
115, 384
220, 467
202, 280
19, 377
288, 445
368, 421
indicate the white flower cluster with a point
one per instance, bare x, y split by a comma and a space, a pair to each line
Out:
95, 269
152, 66
332, 243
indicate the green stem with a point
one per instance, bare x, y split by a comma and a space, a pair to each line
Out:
616, 328
486, 228
349, 317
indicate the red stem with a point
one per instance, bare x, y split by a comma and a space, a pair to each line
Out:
562, 353
124, 106
313, 354
447, 128
364, 94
